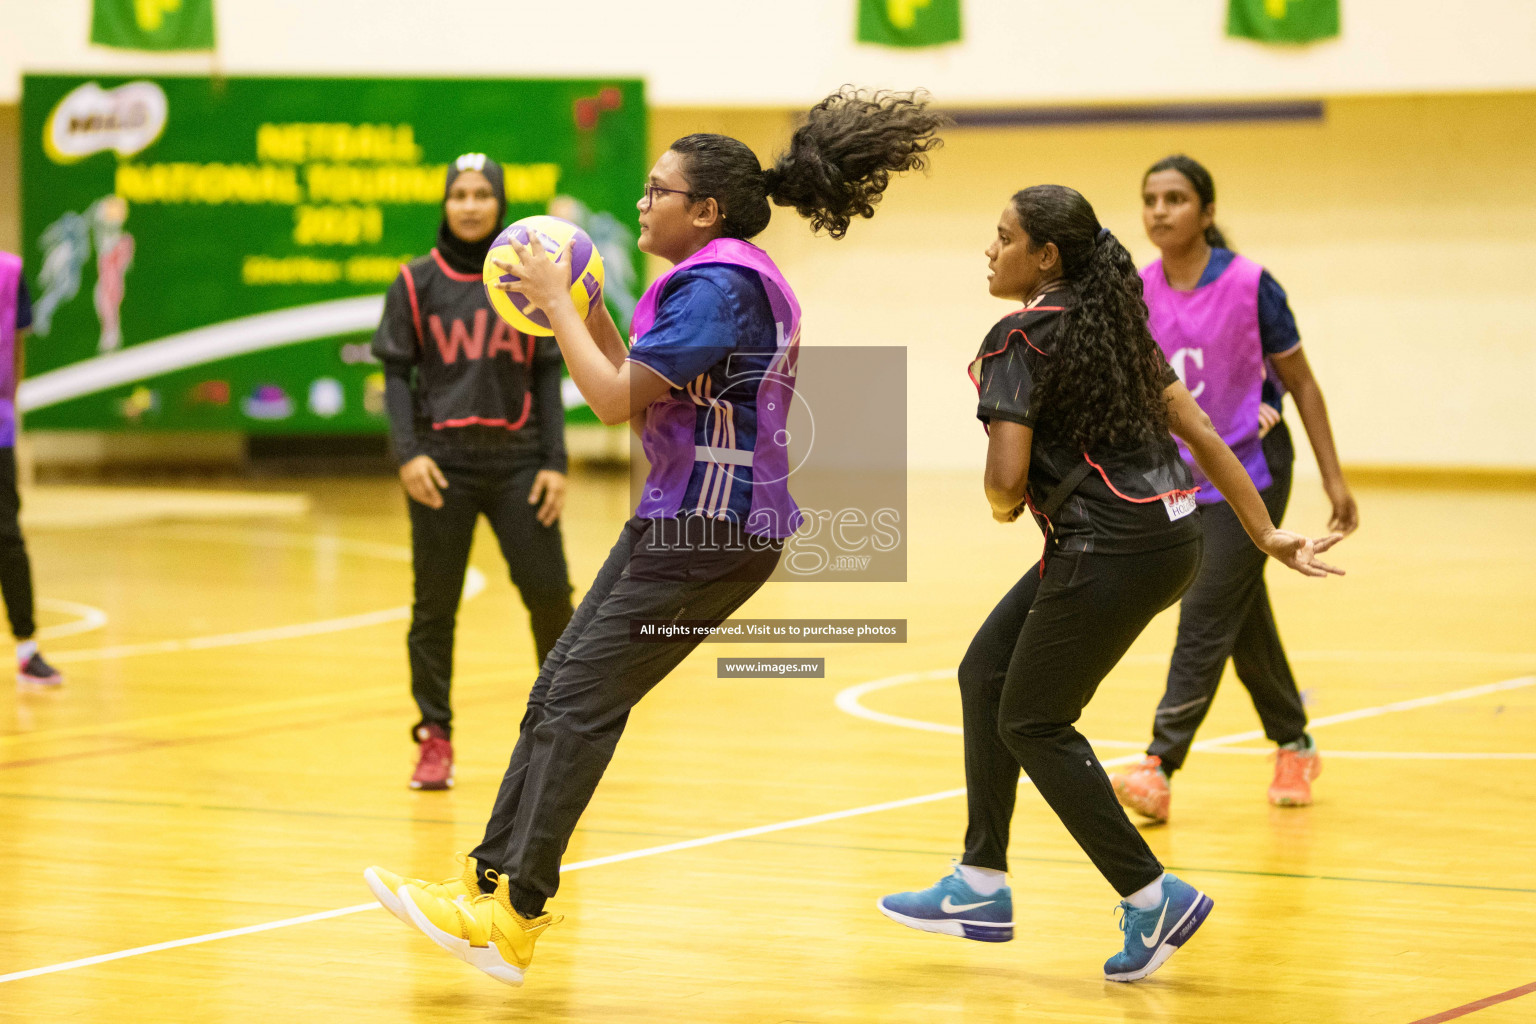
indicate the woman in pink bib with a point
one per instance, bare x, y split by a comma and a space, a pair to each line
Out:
1224, 325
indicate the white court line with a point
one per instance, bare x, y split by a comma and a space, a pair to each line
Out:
178, 943
1392, 755
474, 584
723, 837
650, 851
1383, 709
849, 700
89, 618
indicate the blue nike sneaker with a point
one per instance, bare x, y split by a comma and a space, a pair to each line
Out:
951, 907
1152, 935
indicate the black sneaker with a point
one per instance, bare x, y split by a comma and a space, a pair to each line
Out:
37, 671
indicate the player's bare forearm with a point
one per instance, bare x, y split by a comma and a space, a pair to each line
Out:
610, 342
606, 334
1188, 422
615, 393
596, 376
1296, 373
1007, 475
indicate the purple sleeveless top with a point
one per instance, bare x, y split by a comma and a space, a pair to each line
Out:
1210, 336
669, 439
10, 280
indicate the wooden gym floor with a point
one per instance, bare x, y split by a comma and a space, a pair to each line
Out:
184, 825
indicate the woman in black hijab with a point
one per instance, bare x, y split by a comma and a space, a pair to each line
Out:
478, 427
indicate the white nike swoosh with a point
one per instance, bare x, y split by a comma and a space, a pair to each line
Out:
950, 907
1158, 931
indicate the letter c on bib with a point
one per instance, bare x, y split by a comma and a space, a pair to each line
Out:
1177, 362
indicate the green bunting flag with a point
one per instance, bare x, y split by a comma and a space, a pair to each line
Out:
909, 22
1283, 21
153, 24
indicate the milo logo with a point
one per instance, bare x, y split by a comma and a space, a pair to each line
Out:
93, 120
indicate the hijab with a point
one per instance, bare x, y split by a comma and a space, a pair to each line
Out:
469, 257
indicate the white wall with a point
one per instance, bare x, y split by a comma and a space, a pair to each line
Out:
790, 52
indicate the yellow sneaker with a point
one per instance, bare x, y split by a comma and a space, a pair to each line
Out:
484, 931
386, 885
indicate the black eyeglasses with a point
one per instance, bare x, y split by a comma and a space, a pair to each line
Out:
652, 190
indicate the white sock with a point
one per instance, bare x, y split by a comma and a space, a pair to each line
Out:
983, 881
1149, 895
24, 651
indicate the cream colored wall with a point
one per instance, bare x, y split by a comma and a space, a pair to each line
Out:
1404, 230
789, 52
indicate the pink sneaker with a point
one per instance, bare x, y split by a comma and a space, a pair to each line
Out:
1294, 772
1144, 789
434, 768
38, 672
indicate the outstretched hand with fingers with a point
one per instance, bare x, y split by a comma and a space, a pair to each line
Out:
1300, 553
542, 281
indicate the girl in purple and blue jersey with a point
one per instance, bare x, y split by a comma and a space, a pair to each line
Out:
707, 385
1224, 324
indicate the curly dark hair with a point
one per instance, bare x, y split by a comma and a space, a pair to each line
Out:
1201, 181
1102, 387
838, 163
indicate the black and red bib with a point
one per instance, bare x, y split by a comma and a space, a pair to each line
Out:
1133, 500
472, 370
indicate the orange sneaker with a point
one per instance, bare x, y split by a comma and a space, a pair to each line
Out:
1144, 789
1294, 771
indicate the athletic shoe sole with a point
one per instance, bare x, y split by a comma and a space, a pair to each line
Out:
388, 900
1176, 937
1129, 799
445, 784
980, 931
47, 681
486, 958
1286, 800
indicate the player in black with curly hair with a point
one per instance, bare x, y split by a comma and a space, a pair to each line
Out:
1078, 402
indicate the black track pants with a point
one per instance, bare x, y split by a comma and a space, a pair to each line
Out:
595, 675
1226, 614
440, 543
15, 568
1024, 682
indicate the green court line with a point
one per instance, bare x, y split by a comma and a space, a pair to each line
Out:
1190, 868
1063, 861
477, 821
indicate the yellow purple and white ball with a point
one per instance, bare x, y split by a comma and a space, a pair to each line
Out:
553, 233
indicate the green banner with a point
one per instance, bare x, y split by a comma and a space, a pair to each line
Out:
909, 22
213, 254
153, 24
1283, 21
